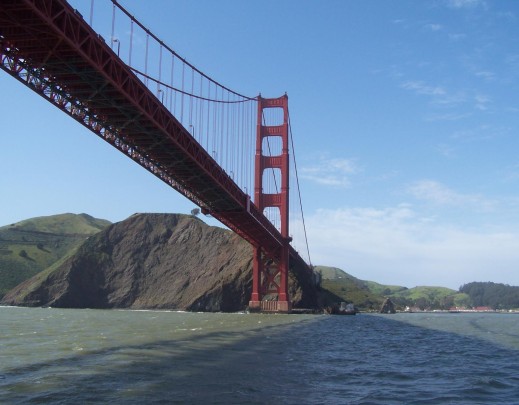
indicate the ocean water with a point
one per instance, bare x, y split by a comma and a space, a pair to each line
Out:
134, 357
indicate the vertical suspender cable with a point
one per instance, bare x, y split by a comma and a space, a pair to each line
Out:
159, 90
131, 44
221, 150
234, 142
227, 130
201, 114
171, 84
91, 12
208, 114
191, 98
146, 58
182, 96
215, 113
242, 141
113, 28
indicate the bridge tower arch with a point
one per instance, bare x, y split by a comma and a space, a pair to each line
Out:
270, 269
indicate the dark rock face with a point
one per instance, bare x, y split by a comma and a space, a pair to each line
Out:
154, 261
388, 307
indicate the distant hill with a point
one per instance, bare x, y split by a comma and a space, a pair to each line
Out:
30, 246
369, 295
332, 273
384, 290
337, 286
494, 295
425, 297
154, 261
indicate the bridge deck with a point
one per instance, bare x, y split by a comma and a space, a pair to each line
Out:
49, 47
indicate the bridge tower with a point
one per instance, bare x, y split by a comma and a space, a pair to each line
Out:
270, 270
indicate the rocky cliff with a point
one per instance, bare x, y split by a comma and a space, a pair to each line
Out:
158, 261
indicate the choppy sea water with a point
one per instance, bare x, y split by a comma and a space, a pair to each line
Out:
92, 356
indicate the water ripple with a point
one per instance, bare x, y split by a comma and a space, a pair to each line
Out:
156, 357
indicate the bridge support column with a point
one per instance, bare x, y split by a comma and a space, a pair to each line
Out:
270, 269
257, 269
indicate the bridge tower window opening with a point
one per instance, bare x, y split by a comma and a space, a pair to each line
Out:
272, 181
273, 117
272, 146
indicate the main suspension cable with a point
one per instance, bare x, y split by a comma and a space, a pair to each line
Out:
149, 33
299, 189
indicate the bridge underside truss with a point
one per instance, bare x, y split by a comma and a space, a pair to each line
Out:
46, 45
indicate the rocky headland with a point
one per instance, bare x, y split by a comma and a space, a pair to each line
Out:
155, 261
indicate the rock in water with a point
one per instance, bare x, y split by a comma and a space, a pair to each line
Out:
388, 307
153, 261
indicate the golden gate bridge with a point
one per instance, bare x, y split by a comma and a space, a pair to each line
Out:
230, 154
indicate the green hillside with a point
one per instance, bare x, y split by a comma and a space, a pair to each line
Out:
332, 273
30, 246
385, 290
69, 224
338, 285
429, 297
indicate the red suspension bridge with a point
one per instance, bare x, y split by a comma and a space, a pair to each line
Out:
210, 143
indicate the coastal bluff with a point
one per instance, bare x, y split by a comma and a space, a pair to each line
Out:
155, 261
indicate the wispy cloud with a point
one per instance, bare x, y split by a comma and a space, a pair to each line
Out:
459, 4
447, 116
437, 193
511, 173
457, 36
333, 172
443, 97
481, 102
439, 95
433, 27
507, 15
485, 74
420, 87
480, 133
512, 62
446, 150
397, 245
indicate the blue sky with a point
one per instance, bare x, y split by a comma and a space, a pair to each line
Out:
405, 116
